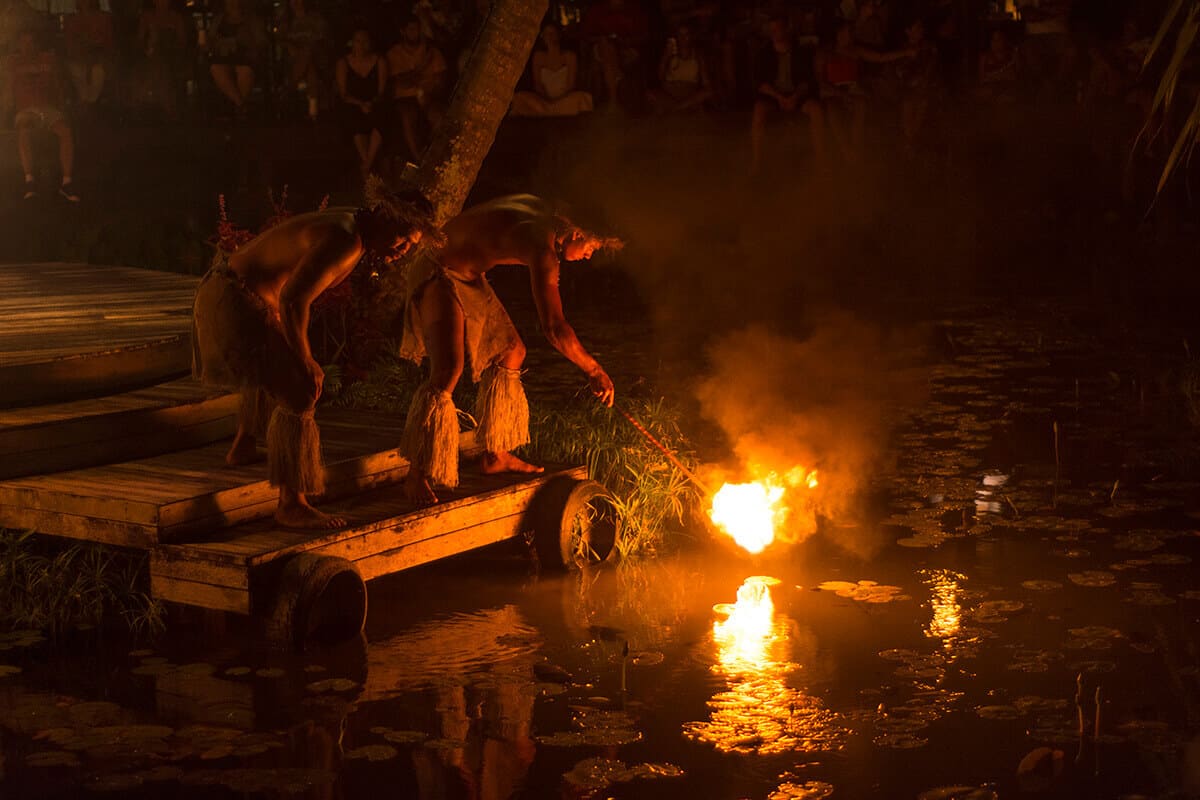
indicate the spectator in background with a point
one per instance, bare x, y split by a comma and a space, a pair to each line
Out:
419, 80
34, 75
305, 37
236, 43
869, 25
90, 48
361, 87
684, 82
918, 81
554, 72
163, 37
786, 72
619, 31
17, 16
840, 71
999, 69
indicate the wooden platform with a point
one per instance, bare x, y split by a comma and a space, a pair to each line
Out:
176, 415
80, 330
387, 535
192, 493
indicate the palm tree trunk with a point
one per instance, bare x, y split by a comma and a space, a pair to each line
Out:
479, 103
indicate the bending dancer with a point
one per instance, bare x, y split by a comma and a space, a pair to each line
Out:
453, 315
250, 331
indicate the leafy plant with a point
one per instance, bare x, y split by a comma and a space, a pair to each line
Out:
52, 588
652, 498
1182, 20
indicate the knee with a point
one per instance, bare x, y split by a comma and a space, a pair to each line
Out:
514, 356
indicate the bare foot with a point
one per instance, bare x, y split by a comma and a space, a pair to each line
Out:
244, 451
494, 463
418, 491
304, 517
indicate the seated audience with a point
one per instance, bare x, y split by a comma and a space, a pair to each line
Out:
306, 40
787, 83
419, 80
918, 81
554, 72
684, 83
88, 34
618, 31
236, 43
163, 37
362, 88
34, 74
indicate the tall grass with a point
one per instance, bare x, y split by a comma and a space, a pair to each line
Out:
52, 588
653, 499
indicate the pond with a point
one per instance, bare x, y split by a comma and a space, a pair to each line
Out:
1012, 610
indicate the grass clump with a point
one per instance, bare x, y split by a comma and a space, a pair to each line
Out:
53, 588
652, 498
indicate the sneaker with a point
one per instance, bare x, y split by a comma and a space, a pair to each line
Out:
67, 192
30, 190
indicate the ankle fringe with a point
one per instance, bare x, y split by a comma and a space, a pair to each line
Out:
502, 410
294, 452
430, 441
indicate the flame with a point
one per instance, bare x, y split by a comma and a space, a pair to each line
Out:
750, 512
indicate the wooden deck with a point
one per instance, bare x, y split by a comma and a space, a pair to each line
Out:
387, 534
176, 415
78, 330
192, 493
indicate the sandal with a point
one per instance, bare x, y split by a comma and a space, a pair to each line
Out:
68, 193
30, 190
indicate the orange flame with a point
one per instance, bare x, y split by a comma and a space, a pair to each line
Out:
750, 512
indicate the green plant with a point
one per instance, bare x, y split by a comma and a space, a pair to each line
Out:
51, 587
651, 496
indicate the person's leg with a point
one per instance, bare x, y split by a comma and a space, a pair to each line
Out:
431, 430
374, 143
816, 128
25, 128
79, 79
245, 81
694, 100
253, 411
758, 125
502, 412
293, 438
409, 119
223, 77
360, 145
96, 84
610, 63
66, 157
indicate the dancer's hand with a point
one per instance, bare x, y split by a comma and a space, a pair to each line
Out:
602, 386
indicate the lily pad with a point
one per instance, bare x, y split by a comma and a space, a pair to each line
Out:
998, 712
52, 758
8, 669
332, 685
1093, 578
373, 752
809, 790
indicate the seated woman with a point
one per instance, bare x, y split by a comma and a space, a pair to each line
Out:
90, 50
840, 71
236, 41
362, 76
162, 34
554, 73
682, 75
305, 38
999, 69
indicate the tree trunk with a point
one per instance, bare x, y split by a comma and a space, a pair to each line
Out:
479, 103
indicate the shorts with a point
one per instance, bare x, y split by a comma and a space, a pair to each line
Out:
39, 117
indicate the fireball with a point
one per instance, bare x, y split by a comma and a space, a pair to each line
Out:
750, 512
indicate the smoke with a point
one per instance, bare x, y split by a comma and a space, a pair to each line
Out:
773, 298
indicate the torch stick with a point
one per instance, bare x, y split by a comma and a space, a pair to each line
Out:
663, 449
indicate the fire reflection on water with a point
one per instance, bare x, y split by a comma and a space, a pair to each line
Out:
945, 589
759, 712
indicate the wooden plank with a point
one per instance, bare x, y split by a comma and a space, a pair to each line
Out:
204, 595
105, 531
440, 546
170, 565
62, 497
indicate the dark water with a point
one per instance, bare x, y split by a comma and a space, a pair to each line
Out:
985, 606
